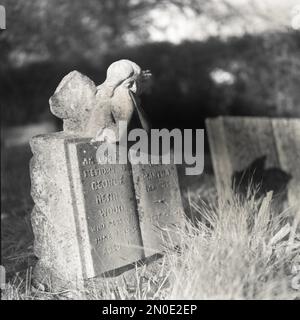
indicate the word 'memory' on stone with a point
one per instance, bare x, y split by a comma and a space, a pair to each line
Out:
262, 151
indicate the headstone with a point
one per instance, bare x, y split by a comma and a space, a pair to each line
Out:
91, 218
287, 136
106, 214
257, 150
159, 204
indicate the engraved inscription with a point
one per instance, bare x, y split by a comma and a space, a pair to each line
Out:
159, 202
103, 238
161, 184
87, 161
111, 250
98, 228
106, 197
110, 211
94, 172
162, 173
102, 184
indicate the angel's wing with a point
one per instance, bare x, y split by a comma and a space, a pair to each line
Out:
73, 100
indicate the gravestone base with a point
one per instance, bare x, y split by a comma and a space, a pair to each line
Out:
104, 286
115, 282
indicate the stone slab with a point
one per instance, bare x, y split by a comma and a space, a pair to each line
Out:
105, 211
89, 218
267, 147
52, 218
287, 136
159, 205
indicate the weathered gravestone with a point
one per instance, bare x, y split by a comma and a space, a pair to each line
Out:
159, 206
260, 151
91, 218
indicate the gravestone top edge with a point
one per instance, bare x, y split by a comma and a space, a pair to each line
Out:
60, 135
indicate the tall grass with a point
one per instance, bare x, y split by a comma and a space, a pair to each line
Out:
242, 250
239, 249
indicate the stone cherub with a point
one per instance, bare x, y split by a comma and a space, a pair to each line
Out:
88, 110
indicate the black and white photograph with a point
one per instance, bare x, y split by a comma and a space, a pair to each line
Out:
150, 150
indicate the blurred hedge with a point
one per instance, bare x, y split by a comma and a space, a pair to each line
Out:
265, 68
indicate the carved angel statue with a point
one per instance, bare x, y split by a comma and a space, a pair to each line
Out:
88, 110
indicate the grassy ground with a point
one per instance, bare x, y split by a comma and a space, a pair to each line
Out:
238, 250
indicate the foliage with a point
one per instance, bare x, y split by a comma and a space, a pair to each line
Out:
60, 29
64, 29
183, 93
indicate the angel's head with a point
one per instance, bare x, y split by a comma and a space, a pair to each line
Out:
127, 74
